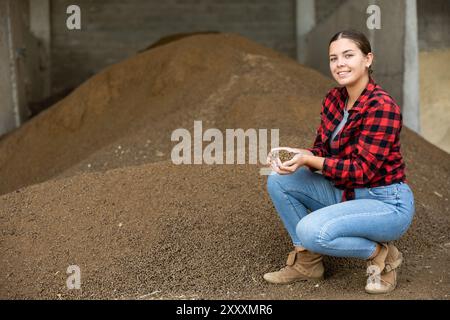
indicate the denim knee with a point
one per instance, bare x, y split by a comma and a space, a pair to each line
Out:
309, 234
273, 182
276, 181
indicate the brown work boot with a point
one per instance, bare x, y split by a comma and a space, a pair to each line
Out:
382, 269
301, 265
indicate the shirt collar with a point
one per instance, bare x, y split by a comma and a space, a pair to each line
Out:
365, 94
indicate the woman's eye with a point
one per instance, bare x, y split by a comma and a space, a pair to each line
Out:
348, 56
333, 59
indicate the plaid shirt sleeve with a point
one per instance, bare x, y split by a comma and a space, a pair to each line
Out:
318, 148
381, 125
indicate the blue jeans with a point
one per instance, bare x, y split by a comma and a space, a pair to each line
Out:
341, 229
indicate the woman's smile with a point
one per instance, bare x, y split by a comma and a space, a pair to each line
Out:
343, 74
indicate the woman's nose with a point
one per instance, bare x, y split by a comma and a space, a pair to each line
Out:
341, 63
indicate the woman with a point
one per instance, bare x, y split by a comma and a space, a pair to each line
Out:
360, 201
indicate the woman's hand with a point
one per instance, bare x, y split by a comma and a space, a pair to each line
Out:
276, 166
296, 162
290, 166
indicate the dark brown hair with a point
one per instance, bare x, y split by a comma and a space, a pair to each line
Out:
357, 37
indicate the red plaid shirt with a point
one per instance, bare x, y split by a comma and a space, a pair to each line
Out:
366, 152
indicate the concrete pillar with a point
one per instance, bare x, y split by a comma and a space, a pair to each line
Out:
411, 98
13, 104
7, 112
305, 22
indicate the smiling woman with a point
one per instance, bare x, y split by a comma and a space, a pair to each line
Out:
360, 201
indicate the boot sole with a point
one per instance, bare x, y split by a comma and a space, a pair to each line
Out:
380, 292
297, 280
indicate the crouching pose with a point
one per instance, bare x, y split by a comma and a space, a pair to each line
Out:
352, 181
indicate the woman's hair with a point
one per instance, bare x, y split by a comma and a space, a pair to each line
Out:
357, 37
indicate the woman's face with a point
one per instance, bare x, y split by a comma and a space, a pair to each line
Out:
348, 63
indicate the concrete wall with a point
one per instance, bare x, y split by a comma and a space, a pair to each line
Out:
434, 24
113, 30
325, 8
40, 29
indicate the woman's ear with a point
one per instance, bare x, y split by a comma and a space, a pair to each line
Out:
369, 59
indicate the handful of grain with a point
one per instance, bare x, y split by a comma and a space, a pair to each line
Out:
281, 155
285, 155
